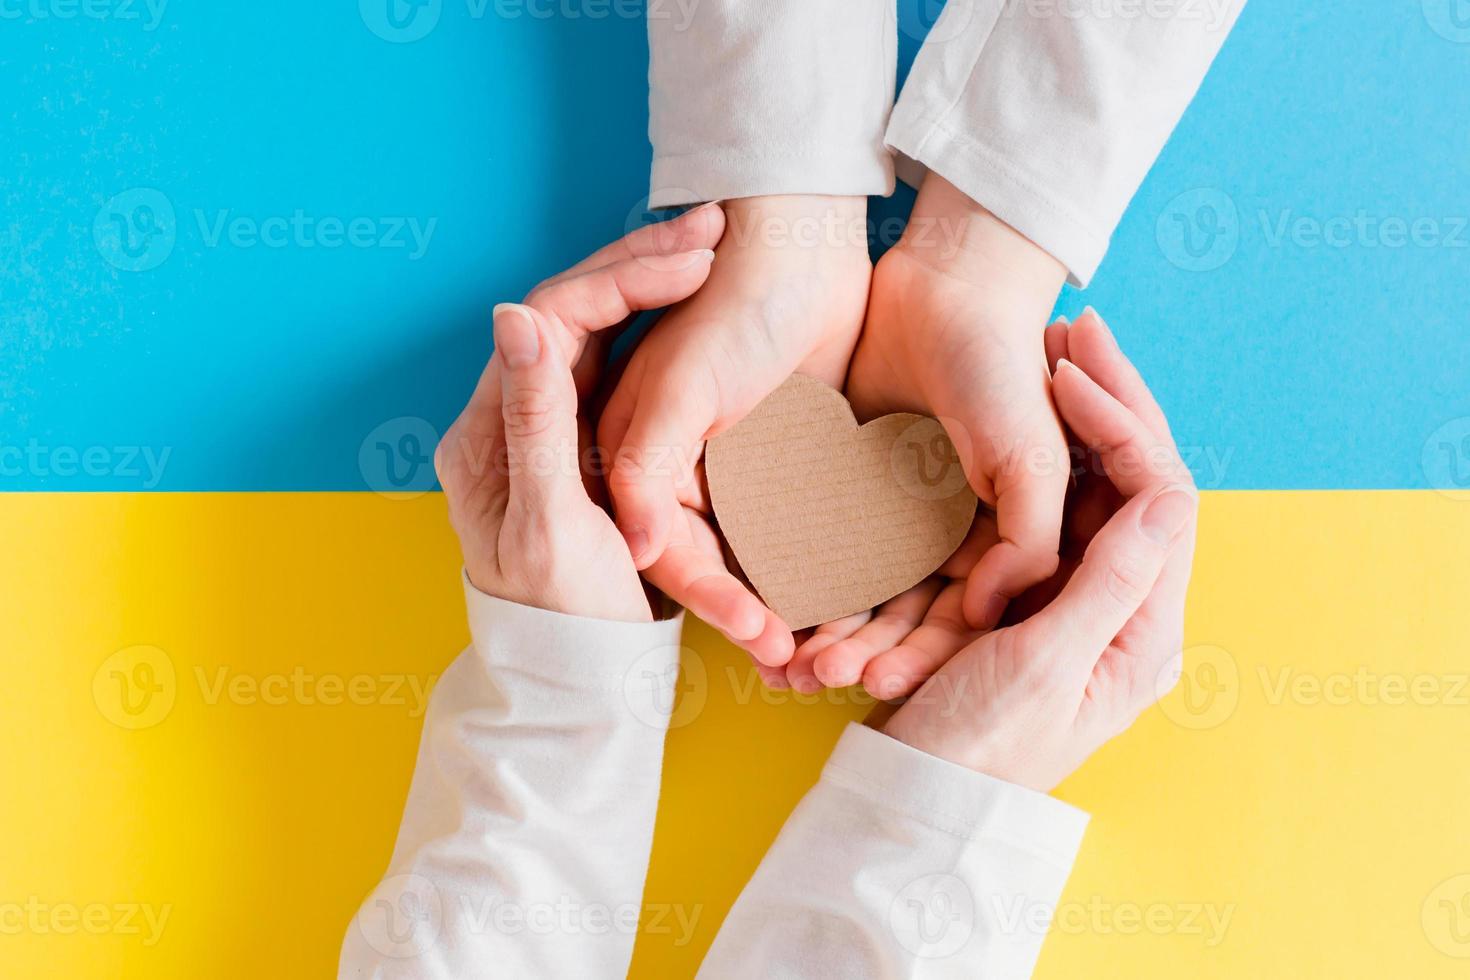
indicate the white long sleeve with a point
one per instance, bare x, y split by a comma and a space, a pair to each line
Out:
1047, 112
1051, 112
752, 97
525, 839
900, 865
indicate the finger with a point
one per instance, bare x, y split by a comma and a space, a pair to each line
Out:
1117, 574
604, 297
620, 388
587, 371
842, 663
1028, 517
772, 677
1154, 638
1093, 348
1055, 342
1134, 458
699, 581
697, 228
538, 408
981, 538
943, 633
1142, 663
800, 671
653, 463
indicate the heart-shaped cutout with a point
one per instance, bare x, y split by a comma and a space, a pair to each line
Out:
828, 518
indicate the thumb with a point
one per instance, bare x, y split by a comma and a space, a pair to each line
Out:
539, 406
654, 457
1117, 574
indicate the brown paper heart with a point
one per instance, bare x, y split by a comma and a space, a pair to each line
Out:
828, 518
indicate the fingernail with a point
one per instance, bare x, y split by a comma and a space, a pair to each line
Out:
1107, 330
995, 607
777, 682
637, 538
1166, 515
516, 338
704, 207
1063, 321
1062, 362
807, 685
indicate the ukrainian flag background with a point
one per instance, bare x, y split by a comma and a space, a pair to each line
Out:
247, 254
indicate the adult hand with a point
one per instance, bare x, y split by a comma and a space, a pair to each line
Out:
511, 465
787, 294
954, 330
1029, 702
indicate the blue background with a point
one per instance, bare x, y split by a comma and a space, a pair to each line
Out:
1289, 364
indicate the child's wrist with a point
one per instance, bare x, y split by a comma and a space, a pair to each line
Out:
822, 224
955, 235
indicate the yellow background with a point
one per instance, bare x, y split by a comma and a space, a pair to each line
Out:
1330, 827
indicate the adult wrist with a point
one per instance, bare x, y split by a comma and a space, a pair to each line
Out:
953, 746
951, 796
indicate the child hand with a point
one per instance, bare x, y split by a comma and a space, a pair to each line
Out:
511, 463
954, 330
786, 294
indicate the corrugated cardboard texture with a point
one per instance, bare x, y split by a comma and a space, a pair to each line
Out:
828, 518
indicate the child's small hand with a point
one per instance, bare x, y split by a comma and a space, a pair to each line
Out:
954, 330
511, 465
787, 294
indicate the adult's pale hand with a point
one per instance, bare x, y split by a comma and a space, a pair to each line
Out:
1029, 702
787, 294
511, 465
954, 330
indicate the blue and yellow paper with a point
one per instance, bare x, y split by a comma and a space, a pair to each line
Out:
245, 267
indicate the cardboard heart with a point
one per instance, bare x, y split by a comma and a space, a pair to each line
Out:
828, 518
